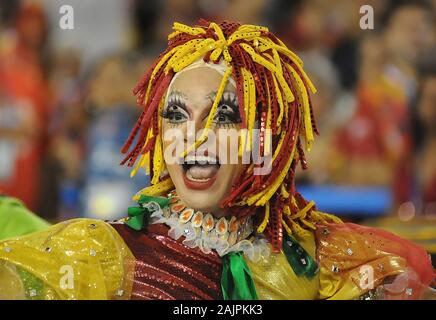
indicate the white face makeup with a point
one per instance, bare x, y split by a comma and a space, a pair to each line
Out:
202, 181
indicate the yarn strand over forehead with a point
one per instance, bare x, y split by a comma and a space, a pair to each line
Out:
273, 92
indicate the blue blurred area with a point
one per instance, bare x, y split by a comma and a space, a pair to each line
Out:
108, 188
349, 200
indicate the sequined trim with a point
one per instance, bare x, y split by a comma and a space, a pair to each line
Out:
208, 233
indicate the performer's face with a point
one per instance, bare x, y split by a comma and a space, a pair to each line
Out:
202, 186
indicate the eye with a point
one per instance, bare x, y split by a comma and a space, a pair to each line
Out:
175, 114
227, 114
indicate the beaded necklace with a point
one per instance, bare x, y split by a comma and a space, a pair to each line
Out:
203, 230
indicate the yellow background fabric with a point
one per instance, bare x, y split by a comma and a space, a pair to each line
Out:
102, 265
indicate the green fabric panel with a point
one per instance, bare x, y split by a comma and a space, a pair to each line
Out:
16, 220
236, 280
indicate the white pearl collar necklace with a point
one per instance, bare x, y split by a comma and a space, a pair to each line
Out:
223, 235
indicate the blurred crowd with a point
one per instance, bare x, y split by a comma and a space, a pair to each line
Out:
66, 104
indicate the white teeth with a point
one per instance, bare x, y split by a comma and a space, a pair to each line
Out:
200, 159
190, 177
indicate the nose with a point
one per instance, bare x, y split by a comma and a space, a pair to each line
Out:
194, 126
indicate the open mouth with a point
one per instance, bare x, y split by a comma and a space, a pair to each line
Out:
200, 171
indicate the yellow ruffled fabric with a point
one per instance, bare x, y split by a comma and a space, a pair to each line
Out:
275, 279
345, 286
350, 254
75, 259
11, 286
88, 259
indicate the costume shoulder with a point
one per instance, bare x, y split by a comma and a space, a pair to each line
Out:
17, 220
287, 275
75, 259
363, 262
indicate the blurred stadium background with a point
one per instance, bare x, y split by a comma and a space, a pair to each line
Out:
66, 104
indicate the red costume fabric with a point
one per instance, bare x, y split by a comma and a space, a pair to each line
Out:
165, 269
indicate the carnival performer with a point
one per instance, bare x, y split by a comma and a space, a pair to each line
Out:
226, 120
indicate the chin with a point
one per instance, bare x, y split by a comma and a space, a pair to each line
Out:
203, 199
200, 201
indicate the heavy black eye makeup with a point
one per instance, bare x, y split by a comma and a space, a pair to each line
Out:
175, 110
228, 110
227, 114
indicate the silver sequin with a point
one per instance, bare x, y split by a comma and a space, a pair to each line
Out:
349, 252
325, 231
335, 269
409, 291
92, 253
152, 206
47, 249
120, 292
7, 249
32, 293
92, 226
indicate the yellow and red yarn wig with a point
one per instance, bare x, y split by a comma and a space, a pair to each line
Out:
272, 90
